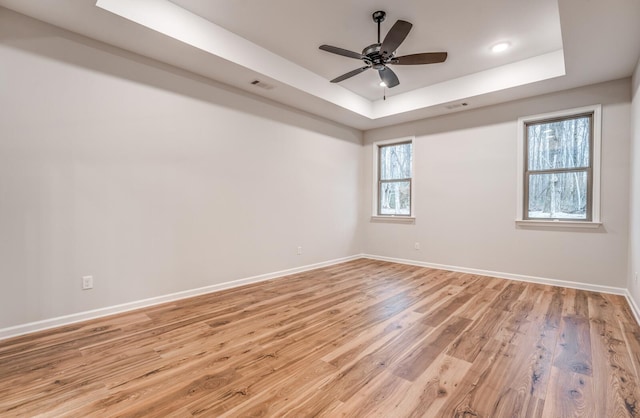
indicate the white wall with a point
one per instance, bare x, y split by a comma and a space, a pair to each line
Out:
151, 179
465, 180
634, 228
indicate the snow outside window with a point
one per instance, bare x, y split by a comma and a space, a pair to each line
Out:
560, 166
394, 178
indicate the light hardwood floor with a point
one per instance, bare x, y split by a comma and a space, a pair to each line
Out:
364, 338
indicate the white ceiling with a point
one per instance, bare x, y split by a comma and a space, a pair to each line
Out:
556, 44
295, 29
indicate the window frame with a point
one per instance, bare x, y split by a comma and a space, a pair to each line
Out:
377, 182
593, 171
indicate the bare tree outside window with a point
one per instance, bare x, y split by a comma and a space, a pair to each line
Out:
558, 173
394, 179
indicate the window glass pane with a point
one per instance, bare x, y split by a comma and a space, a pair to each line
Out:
558, 195
395, 162
395, 198
559, 144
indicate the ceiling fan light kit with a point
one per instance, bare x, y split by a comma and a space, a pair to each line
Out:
381, 54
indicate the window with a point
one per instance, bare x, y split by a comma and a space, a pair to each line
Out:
394, 178
559, 165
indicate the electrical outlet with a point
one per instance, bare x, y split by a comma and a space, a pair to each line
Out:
87, 282
416, 245
300, 250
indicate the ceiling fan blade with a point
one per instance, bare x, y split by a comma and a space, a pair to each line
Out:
389, 77
343, 52
394, 38
349, 74
417, 59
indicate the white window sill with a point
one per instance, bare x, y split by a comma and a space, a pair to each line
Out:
394, 219
558, 224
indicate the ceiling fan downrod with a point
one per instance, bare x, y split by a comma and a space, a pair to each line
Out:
378, 17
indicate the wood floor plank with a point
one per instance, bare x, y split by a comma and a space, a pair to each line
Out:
277, 398
464, 400
483, 299
570, 395
613, 376
573, 352
415, 362
375, 399
469, 344
435, 386
525, 363
365, 338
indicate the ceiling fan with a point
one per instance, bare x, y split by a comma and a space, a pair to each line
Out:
379, 55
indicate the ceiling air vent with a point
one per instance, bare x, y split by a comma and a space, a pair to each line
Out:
262, 84
456, 105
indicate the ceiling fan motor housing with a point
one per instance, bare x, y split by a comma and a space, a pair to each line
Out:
373, 56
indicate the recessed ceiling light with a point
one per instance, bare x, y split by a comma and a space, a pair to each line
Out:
500, 47
382, 84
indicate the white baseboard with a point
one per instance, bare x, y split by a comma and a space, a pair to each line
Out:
27, 328
633, 305
510, 276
